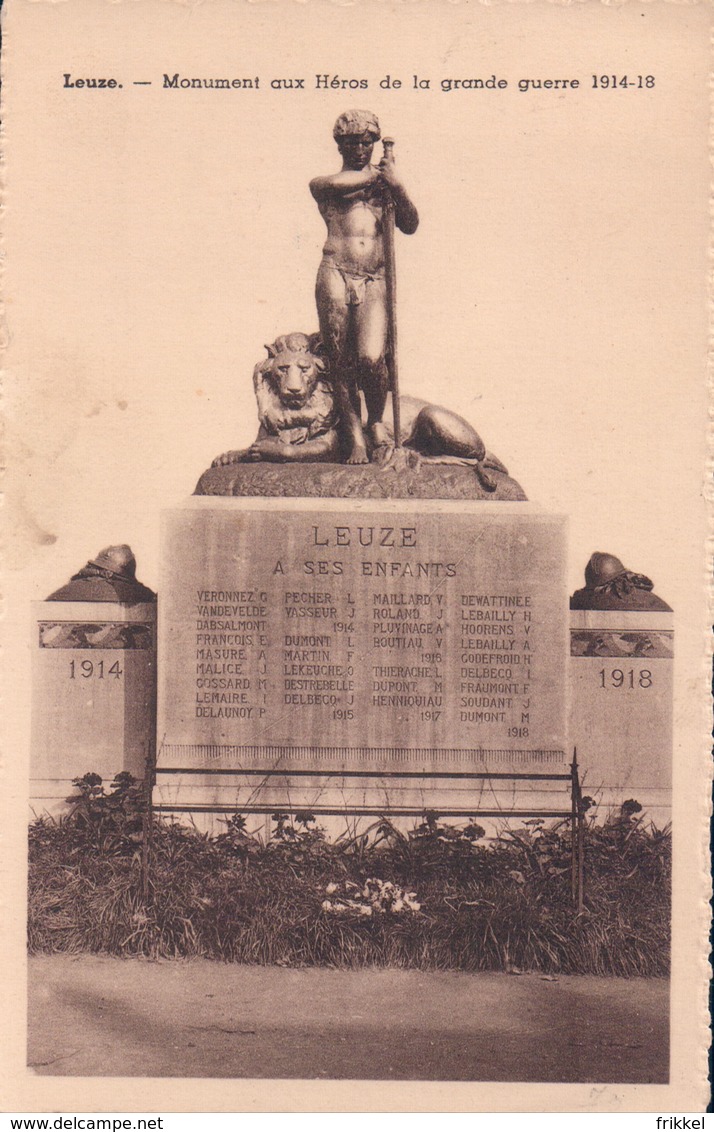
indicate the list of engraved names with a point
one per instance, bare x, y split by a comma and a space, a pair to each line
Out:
369, 634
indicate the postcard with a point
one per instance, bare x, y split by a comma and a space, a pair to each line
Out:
356, 632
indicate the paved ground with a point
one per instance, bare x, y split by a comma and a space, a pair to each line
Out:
93, 1016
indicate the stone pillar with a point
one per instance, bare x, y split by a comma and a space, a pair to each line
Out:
621, 692
94, 694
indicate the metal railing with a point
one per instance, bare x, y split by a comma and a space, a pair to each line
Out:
574, 812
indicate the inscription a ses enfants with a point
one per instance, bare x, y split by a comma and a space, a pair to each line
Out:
437, 652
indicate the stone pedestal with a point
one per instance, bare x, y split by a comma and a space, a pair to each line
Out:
621, 706
400, 479
342, 635
94, 698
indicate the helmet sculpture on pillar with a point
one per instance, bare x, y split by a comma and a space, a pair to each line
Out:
118, 560
109, 576
610, 585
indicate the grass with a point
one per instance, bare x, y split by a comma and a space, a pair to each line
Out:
301, 900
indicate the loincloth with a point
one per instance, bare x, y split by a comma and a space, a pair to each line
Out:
355, 281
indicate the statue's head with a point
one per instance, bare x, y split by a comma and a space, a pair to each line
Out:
118, 560
355, 132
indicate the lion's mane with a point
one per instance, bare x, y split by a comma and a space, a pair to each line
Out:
318, 415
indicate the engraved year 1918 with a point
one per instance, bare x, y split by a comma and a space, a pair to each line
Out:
632, 678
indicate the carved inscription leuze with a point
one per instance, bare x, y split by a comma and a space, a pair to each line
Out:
360, 635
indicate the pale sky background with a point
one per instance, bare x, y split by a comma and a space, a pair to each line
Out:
555, 295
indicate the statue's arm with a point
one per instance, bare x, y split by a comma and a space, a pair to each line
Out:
343, 184
406, 216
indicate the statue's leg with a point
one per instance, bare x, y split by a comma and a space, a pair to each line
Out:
350, 413
334, 317
439, 432
371, 348
355, 398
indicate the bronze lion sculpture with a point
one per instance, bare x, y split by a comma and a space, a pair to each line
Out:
299, 420
296, 406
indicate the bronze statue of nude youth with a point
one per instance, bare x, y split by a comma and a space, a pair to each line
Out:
351, 290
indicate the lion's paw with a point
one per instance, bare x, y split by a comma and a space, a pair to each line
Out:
487, 481
383, 454
225, 458
400, 460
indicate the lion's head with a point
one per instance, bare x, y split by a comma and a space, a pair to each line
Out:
292, 388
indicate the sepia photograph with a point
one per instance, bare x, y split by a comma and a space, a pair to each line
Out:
356, 635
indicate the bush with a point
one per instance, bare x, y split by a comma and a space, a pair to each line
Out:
438, 897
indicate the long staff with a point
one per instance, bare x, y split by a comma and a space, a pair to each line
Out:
390, 271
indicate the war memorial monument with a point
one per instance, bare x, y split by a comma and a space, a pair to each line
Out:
360, 612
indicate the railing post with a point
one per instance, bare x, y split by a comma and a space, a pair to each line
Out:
579, 833
581, 852
574, 827
147, 823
